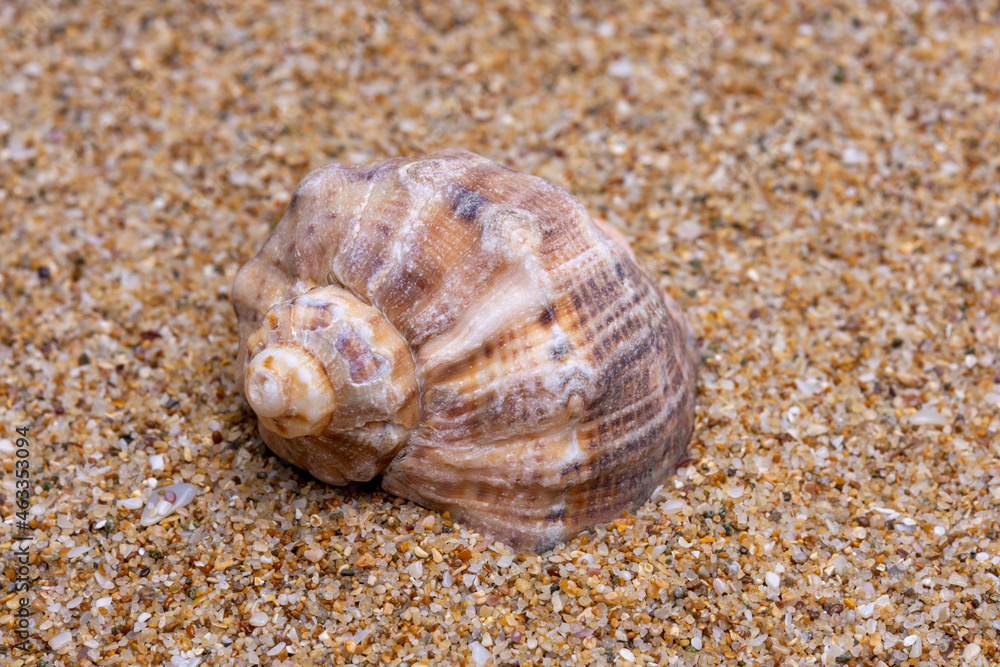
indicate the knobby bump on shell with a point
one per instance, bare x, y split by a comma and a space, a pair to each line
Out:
469, 333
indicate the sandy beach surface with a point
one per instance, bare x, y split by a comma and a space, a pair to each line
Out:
815, 183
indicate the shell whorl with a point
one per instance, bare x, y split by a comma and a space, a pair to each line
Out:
327, 366
553, 381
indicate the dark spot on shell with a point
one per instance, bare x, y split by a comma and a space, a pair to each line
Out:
601, 463
321, 319
561, 351
548, 316
365, 172
451, 371
556, 515
619, 270
454, 407
488, 350
593, 292
364, 364
294, 202
465, 204
492, 400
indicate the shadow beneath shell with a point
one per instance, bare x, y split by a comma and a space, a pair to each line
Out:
371, 490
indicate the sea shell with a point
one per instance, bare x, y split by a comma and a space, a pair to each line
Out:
469, 333
165, 501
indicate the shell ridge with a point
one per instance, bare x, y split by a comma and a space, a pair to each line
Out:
402, 230
337, 269
436, 182
406, 251
486, 316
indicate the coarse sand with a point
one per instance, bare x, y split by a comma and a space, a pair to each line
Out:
815, 183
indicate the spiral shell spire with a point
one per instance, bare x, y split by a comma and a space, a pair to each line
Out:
327, 367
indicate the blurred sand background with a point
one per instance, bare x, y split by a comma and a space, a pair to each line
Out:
815, 183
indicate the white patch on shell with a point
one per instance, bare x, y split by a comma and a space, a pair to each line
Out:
490, 316
554, 531
572, 452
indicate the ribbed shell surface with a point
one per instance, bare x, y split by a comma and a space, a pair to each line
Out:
557, 380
